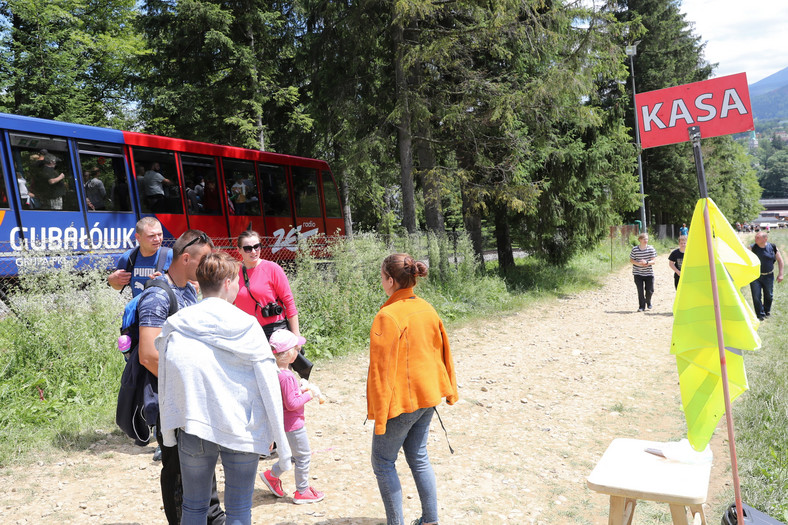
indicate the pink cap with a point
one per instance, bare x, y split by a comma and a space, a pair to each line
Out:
283, 340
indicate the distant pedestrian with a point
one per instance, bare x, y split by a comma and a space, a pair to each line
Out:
764, 285
683, 230
410, 372
676, 258
643, 257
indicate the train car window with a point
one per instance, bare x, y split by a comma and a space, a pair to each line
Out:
242, 187
333, 208
307, 200
157, 181
203, 196
3, 193
275, 199
43, 166
104, 176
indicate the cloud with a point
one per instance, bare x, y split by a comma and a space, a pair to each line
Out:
741, 37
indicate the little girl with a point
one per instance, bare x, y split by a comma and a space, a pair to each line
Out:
285, 344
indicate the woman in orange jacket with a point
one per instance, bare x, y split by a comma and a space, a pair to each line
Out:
410, 372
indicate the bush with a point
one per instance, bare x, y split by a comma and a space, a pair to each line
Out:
59, 369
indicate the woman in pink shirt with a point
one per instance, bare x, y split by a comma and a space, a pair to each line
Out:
265, 291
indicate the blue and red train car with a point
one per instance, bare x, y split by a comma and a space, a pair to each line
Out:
221, 190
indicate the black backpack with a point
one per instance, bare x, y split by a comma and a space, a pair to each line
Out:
138, 397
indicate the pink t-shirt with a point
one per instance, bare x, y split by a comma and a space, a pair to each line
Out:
293, 400
268, 283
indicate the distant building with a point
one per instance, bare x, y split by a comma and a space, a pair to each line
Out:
775, 213
753, 140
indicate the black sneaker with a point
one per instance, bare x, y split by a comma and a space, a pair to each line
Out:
649, 307
157, 454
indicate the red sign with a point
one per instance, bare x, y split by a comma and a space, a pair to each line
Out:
720, 106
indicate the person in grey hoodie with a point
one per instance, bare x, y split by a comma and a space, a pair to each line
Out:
219, 394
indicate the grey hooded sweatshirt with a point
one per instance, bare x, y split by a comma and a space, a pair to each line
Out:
218, 380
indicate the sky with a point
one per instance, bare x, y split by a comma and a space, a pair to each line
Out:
749, 36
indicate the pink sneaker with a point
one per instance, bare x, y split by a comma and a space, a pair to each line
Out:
310, 495
273, 483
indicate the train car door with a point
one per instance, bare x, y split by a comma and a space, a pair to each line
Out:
107, 197
245, 205
335, 224
205, 199
51, 216
8, 216
278, 212
306, 201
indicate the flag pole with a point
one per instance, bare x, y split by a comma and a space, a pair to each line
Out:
694, 134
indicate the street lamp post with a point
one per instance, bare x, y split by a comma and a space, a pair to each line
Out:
631, 51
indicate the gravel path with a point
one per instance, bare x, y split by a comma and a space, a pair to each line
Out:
543, 392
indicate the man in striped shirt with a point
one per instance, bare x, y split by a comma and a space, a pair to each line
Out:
643, 257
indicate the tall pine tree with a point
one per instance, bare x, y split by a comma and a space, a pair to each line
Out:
69, 60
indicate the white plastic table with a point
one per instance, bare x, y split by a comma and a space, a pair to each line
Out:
628, 473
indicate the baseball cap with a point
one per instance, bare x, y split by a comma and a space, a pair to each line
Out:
283, 340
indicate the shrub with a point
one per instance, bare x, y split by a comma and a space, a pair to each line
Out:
58, 367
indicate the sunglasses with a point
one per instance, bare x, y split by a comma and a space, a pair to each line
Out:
252, 247
202, 239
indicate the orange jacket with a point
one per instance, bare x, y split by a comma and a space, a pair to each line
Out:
410, 364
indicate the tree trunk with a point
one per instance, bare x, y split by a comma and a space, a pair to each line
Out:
430, 185
343, 185
404, 139
473, 225
503, 239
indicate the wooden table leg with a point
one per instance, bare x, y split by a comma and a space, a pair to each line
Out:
696, 511
621, 510
679, 514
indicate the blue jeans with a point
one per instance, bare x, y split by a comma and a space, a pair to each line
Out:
198, 462
765, 284
409, 432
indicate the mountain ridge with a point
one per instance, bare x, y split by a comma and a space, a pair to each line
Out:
769, 97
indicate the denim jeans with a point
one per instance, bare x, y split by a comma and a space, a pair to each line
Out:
645, 286
172, 490
409, 432
198, 462
765, 284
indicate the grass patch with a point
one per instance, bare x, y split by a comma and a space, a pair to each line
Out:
59, 369
761, 415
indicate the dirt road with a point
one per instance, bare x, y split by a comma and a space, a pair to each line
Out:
543, 392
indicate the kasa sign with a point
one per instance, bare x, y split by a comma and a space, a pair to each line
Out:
720, 106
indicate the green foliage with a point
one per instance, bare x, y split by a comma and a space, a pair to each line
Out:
760, 414
533, 277
59, 366
774, 175
68, 59
337, 300
731, 180
221, 72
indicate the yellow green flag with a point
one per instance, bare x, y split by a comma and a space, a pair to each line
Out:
694, 341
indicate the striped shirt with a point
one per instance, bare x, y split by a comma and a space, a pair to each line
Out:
637, 254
